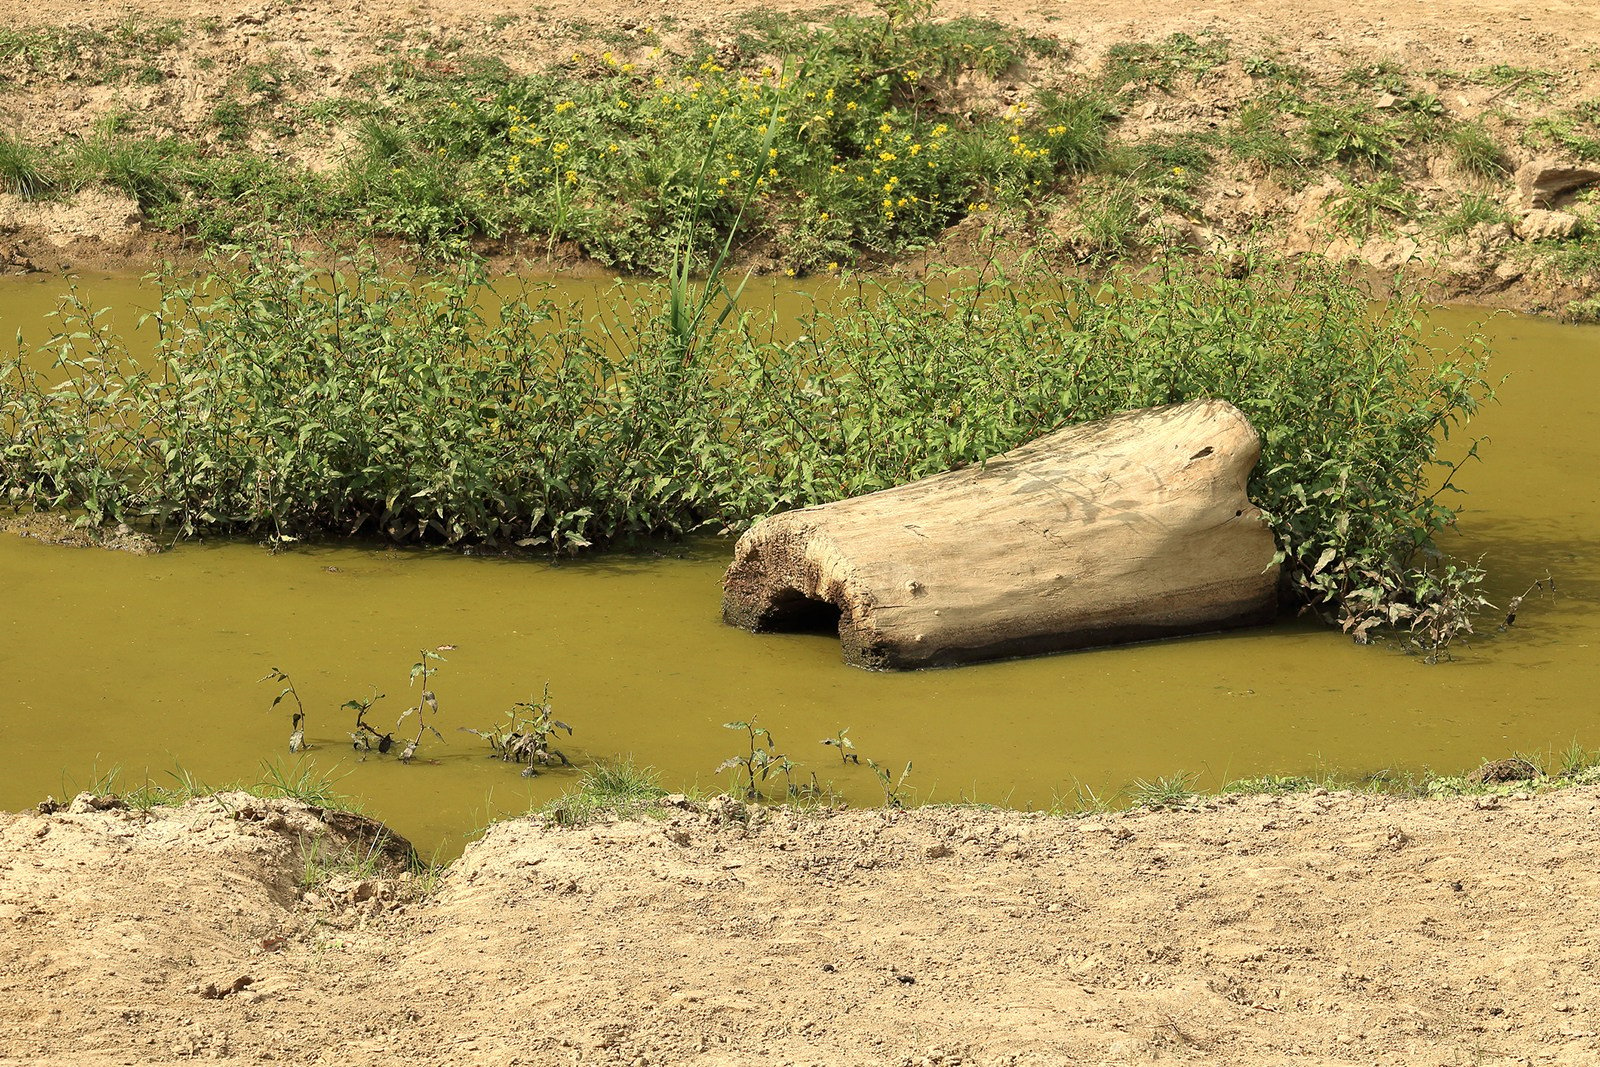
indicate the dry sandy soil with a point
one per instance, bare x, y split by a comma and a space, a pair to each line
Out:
329, 42
1308, 929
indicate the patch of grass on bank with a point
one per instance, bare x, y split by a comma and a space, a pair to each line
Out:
616, 789
287, 402
299, 781
824, 142
24, 170
94, 56
1520, 772
820, 141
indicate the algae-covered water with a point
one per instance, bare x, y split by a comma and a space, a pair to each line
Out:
149, 664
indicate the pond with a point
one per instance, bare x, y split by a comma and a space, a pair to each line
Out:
148, 664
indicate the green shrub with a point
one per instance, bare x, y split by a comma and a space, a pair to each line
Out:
288, 402
1367, 207
1352, 134
871, 148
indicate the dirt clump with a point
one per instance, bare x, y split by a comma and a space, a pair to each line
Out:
1333, 928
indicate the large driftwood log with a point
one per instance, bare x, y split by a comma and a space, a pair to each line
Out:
1129, 528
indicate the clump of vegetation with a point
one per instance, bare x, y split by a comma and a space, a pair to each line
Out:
1171, 791
288, 401
1475, 151
1364, 208
893, 785
297, 718
620, 788
427, 705
364, 737
841, 743
760, 762
524, 736
23, 170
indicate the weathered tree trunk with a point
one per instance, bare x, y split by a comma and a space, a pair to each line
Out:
1129, 528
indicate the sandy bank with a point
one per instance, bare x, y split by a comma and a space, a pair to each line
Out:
1313, 929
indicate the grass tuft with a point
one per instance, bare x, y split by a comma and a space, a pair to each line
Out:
613, 789
23, 170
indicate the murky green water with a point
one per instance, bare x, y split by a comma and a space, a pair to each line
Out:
149, 663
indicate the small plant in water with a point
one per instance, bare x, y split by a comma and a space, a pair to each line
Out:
759, 763
891, 785
845, 746
365, 737
297, 720
427, 703
524, 736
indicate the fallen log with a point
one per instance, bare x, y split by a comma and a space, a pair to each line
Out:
1125, 529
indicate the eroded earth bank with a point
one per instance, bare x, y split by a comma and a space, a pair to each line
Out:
1456, 143
1312, 928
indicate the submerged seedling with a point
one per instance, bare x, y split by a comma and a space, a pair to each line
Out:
760, 762
845, 746
525, 735
297, 720
1545, 586
427, 703
365, 737
891, 785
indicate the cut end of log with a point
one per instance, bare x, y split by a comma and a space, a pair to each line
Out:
1126, 529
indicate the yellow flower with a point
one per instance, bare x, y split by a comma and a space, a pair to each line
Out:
565, 105
851, 106
772, 153
789, 271
834, 265
823, 217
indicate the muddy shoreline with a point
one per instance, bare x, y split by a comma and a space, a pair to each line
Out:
1322, 927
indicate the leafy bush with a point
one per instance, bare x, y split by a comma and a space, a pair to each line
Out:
287, 402
865, 154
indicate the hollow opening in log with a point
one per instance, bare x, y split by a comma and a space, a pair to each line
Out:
792, 612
